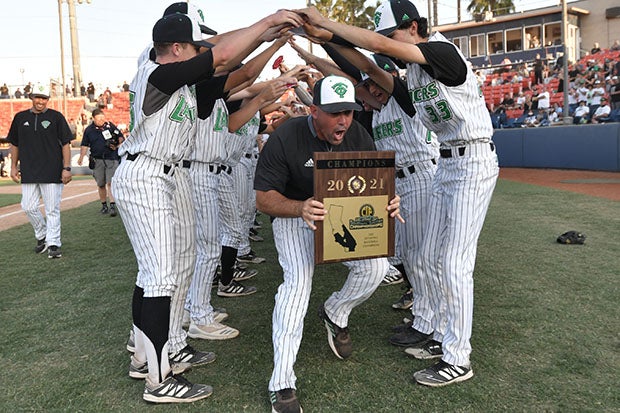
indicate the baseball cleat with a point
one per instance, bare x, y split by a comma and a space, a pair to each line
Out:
214, 331
430, 350
189, 355
338, 338
41, 246
175, 389
284, 401
53, 252
405, 302
410, 338
139, 370
250, 257
442, 374
234, 289
392, 277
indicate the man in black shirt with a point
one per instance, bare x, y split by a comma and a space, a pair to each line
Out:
284, 187
41, 142
103, 139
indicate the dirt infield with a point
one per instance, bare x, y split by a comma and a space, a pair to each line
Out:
599, 184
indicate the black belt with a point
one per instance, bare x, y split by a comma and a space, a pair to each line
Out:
167, 168
447, 153
216, 169
401, 172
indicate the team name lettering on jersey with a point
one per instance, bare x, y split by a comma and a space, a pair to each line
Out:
424, 93
183, 111
221, 120
387, 129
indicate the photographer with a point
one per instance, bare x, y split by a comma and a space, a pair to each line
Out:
103, 139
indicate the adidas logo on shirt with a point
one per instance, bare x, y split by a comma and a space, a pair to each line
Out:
309, 163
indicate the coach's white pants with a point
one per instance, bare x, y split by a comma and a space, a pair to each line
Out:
47, 227
295, 244
461, 194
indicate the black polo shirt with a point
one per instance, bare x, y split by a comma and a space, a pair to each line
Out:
95, 138
39, 138
285, 164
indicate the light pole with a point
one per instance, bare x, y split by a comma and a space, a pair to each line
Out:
62, 58
75, 47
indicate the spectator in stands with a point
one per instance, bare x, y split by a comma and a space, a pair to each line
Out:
101, 101
596, 93
581, 113
572, 101
107, 94
520, 100
2, 171
616, 46
4, 92
18, 94
543, 100
531, 121
125, 86
90, 90
539, 67
595, 49
82, 90
602, 112
27, 90
555, 115
508, 103
614, 92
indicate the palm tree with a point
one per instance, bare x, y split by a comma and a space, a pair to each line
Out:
498, 7
352, 12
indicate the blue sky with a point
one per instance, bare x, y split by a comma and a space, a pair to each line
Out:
112, 33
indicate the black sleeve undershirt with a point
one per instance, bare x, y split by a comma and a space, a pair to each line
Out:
444, 63
172, 76
207, 92
401, 94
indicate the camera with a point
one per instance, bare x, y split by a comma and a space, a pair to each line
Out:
112, 136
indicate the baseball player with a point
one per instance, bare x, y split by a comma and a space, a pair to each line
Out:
417, 150
162, 135
216, 208
448, 102
284, 190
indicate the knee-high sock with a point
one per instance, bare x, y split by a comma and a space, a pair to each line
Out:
229, 256
155, 323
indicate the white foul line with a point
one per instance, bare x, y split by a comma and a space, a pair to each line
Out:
41, 204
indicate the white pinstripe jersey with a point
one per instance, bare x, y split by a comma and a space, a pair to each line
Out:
169, 132
249, 132
394, 130
457, 114
214, 143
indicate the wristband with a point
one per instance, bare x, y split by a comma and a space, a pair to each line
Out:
340, 41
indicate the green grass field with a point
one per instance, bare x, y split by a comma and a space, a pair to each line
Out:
546, 336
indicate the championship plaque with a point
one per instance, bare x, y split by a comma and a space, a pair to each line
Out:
355, 188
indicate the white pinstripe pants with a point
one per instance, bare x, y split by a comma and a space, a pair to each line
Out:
185, 254
144, 196
230, 210
295, 244
414, 190
244, 179
47, 227
208, 247
462, 190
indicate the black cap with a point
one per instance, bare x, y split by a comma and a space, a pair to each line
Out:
178, 28
335, 94
391, 14
193, 12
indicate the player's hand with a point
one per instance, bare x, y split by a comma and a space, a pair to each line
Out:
80, 160
16, 176
276, 88
393, 209
66, 176
312, 210
316, 34
311, 15
285, 17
